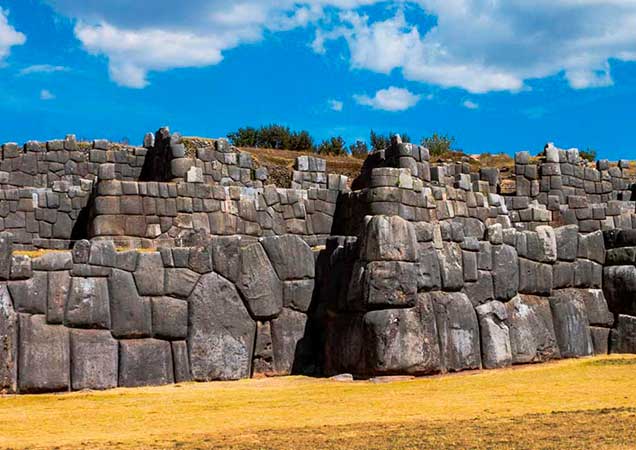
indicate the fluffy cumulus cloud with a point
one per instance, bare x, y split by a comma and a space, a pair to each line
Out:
392, 99
476, 45
335, 105
485, 45
9, 36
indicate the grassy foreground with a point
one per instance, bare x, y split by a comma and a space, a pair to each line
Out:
588, 403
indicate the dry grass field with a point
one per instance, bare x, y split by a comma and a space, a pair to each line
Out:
587, 403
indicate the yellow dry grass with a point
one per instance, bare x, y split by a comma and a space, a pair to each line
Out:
589, 403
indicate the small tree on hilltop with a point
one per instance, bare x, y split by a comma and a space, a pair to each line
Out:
438, 144
588, 154
333, 146
359, 149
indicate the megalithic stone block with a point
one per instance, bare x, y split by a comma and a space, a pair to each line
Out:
43, 355
94, 359
145, 362
8, 343
220, 333
495, 335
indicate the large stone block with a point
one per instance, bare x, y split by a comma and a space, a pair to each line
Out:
59, 287
30, 296
619, 285
292, 258
8, 342
623, 337
221, 332
600, 340
259, 284
290, 343
87, 305
598, 313
6, 240
430, 277
451, 267
150, 274
145, 362
481, 291
169, 318
495, 335
130, 313
181, 362
180, 282
388, 239
458, 331
402, 341
571, 325
94, 359
344, 345
505, 270
390, 284
226, 254
532, 337
298, 294
534, 278
43, 355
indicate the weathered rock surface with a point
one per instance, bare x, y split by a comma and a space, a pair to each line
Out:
221, 331
571, 325
131, 314
389, 239
291, 256
43, 354
87, 305
145, 362
495, 335
8, 342
291, 343
532, 337
94, 359
619, 285
623, 337
458, 331
259, 284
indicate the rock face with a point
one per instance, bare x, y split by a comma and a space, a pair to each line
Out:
458, 330
221, 332
8, 342
571, 325
495, 335
532, 337
44, 356
259, 284
188, 264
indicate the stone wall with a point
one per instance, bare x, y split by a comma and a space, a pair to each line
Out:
178, 261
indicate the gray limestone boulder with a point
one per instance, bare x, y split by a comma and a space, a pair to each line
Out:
495, 335
600, 340
480, 291
94, 359
43, 355
30, 296
221, 331
402, 341
6, 240
388, 239
571, 324
567, 242
458, 331
59, 288
226, 255
390, 284
8, 342
505, 270
259, 284
181, 362
598, 313
532, 337
298, 294
619, 286
451, 267
623, 336
169, 318
180, 282
429, 277
290, 343
534, 277
131, 314
150, 274
87, 305
145, 362
292, 258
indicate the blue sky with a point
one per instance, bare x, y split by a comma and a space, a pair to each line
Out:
498, 76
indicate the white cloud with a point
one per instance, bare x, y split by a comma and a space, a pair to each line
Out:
9, 37
43, 68
485, 45
469, 104
476, 45
391, 99
336, 105
45, 94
